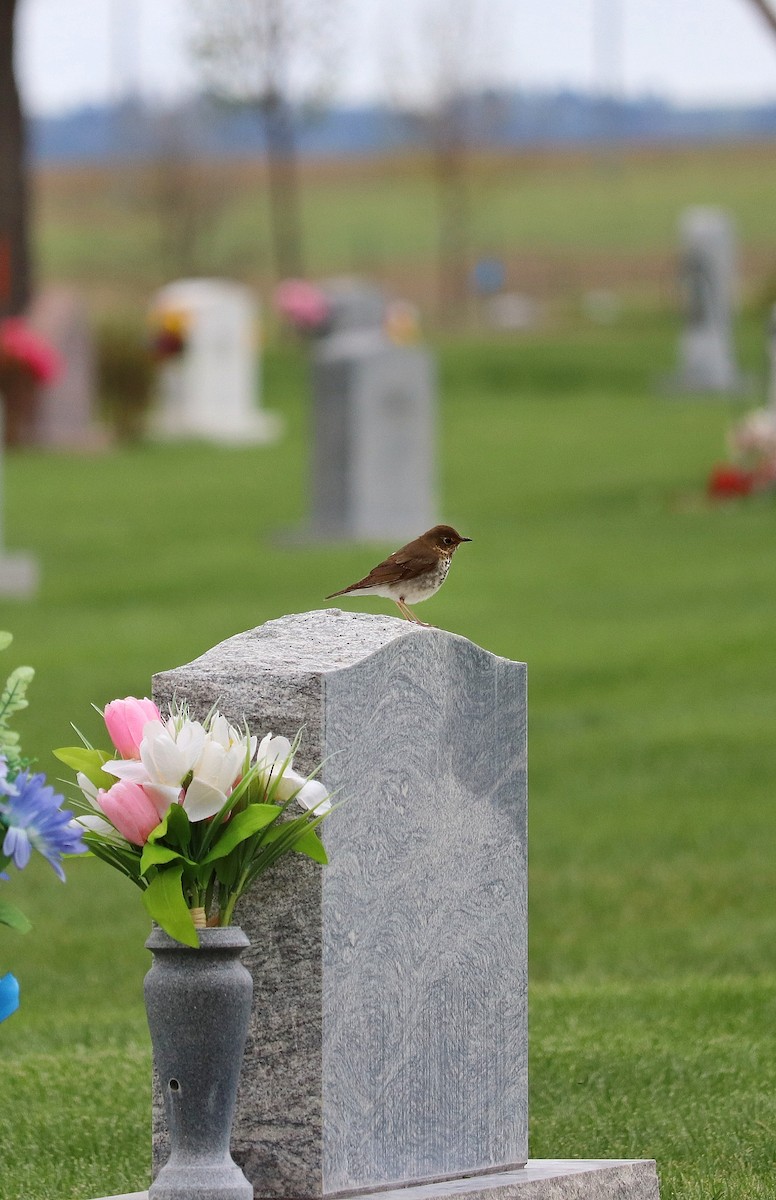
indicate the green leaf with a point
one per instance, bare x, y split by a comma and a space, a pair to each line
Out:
13, 698
88, 762
175, 827
307, 843
13, 917
154, 856
164, 902
227, 870
5, 639
241, 827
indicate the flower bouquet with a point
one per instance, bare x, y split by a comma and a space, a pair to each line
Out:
303, 305
169, 334
26, 362
31, 816
752, 443
192, 811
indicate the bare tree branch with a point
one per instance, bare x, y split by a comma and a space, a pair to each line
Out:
264, 54
765, 11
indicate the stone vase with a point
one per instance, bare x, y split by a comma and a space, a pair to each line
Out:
198, 1004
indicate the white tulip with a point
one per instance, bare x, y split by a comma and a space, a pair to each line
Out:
273, 753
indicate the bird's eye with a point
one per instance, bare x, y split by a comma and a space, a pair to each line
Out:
448, 541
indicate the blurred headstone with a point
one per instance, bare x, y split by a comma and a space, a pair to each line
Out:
19, 571
708, 278
205, 336
353, 303
66, 408
512, 312
772, 360
373, 454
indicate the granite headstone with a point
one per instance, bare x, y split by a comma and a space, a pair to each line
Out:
387, 1057
707, 360
388, 1043
373, 475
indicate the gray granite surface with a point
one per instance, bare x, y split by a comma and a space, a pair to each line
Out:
540, 1179
388, 1042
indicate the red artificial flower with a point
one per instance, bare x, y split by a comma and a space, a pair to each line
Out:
727, 480
23, 347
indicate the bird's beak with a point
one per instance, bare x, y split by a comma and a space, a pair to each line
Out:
466, 539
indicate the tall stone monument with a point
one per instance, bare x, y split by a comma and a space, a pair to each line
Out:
206, 332
707, 360
388, 1045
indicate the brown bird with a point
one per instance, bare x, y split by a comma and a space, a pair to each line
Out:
412, 573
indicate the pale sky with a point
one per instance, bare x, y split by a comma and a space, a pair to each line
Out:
74, 52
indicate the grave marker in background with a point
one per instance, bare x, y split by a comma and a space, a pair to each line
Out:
66, 409
373, 421
19, 571
206, 335
708, 279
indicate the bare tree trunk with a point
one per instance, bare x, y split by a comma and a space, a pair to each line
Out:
14, 247
284, 187
765, 10
451, 179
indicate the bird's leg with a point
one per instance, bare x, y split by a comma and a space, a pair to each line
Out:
409, 615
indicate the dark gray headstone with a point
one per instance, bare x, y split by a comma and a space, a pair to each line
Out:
354, 304
374, 433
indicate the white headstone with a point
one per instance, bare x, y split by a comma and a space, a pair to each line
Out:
209, 387
708, 276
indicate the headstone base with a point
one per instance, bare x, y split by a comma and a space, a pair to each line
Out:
19, 575
539, 1179
259, 429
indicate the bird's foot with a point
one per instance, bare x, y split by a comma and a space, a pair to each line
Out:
409, 615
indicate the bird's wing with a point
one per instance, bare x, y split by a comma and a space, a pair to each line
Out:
404, 564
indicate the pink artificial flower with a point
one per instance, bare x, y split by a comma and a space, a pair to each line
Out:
125, 721
303, 304
129, 809
23, 346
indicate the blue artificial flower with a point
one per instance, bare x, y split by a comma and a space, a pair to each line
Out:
9, 996
33, 820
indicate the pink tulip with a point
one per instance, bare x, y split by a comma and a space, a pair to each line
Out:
128, 808
125, 720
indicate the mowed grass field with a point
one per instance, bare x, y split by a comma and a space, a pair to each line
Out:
645, 615
647, 620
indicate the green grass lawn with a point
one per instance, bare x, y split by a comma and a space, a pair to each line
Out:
648, 622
